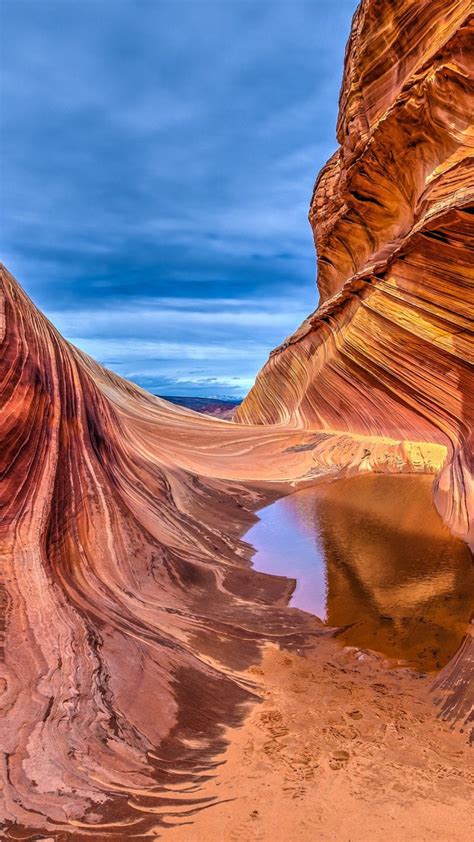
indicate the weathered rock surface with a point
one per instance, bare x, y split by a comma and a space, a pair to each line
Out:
390, 349
129, 609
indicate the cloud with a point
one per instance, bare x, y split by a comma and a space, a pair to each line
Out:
148, 339
142, 320
167, 150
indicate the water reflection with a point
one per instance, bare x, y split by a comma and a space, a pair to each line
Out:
371, 554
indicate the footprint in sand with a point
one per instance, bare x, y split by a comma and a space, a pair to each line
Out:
250, 829
339, 759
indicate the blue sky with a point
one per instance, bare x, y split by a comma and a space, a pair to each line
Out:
158, 158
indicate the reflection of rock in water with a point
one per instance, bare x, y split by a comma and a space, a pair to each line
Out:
395, 575
389, 349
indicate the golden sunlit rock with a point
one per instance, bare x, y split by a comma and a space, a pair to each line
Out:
389, 351
130, 614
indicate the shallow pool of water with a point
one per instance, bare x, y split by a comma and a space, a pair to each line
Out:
371, 554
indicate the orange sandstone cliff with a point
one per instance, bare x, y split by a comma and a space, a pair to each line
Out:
129, 610
389, 350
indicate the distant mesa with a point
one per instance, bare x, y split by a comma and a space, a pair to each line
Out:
219, 407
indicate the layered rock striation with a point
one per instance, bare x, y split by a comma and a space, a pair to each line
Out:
389, 350
129, 610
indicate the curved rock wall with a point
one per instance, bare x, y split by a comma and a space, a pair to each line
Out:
125, 588
128, 607
389, 351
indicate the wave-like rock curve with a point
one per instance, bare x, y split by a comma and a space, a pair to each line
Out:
389, 351
129, 608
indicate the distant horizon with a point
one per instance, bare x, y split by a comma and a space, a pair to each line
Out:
158, 169
211, 398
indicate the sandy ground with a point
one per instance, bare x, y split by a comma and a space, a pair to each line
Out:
343, 748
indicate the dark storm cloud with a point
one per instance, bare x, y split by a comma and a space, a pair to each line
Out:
156, 151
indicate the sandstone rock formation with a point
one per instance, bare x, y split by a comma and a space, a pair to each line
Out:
389, 351
129, 608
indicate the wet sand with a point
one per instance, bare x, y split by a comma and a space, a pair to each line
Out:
342, 748
346, 744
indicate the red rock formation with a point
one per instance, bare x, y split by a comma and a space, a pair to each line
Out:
129, 608
125, 588
128, 603
389, 351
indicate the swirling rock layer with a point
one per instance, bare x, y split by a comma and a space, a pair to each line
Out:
129, 609
389, 351
125, 588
